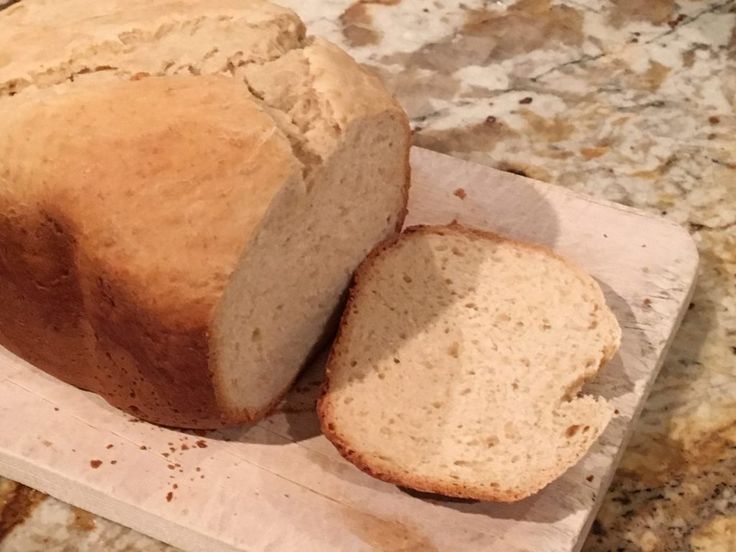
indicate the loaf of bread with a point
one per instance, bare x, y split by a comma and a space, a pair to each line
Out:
186, 188
459, 362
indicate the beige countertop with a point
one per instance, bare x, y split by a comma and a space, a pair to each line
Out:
631, 101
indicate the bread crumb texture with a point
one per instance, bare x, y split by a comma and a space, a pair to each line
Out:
459, 363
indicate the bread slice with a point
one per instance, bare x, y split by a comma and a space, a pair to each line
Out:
185, 191
459, 361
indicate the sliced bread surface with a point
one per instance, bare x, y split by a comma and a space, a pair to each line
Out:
459, 362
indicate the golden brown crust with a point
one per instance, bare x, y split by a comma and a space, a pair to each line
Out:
364, 462
85, 300
110, 277
123, 36
96, 343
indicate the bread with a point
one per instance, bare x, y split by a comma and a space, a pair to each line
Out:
459, 361
185, 190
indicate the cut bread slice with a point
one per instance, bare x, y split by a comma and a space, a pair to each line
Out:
459, 361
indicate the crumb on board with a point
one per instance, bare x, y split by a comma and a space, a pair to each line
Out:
460, 192
589, 478
169, 496
201, 443
109, 446
95, 463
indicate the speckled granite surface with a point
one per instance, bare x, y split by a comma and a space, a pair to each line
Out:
632, 101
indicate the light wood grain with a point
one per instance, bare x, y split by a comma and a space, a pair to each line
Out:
279, 485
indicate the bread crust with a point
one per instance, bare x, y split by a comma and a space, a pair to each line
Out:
96, 294
367, 464
109, 318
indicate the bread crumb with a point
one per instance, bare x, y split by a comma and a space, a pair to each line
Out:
201, 444
95, 463
589, 478
109, 446
169, 496
113, 462
460, 192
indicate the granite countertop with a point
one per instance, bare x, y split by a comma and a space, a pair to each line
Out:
631, 101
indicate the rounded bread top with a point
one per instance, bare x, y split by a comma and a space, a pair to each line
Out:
179, 168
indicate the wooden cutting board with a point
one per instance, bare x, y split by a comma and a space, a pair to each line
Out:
280, 486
